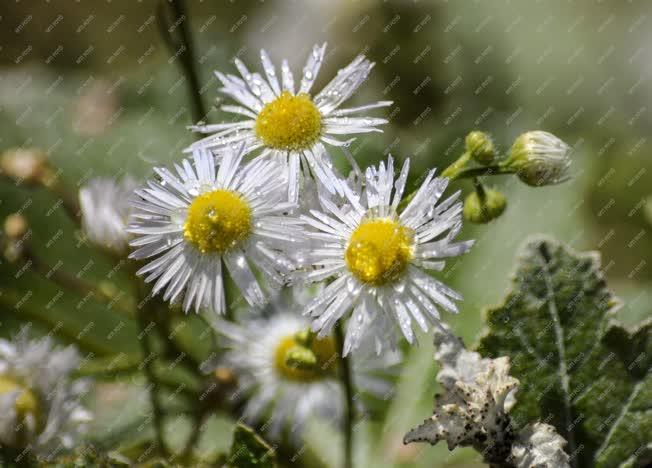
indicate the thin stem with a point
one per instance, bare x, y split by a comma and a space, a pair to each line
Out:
480, 172
74, 283
157, 409
68, 201
457, 166
347, 382
185, 49
231, 296
51, 183
479, 188
171, 348
191, 442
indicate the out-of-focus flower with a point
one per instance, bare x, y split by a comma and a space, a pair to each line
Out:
484, 206
40, 406
473, 411
287, 374
286, 121
206, 215
24, 164
105, 209
95, 109
377, 256
539, 158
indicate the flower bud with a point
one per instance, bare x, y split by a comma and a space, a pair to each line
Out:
15, 226
14, 234
539, 158
299, 357
225, 376
480, 147
23, 164
484, 205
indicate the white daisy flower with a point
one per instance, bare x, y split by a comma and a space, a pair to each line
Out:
288, 121
205, 216
105, 208
40, 406
377, 256
286, 375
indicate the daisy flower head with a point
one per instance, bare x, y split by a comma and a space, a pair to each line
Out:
286, 374
377, 256
286, 120
40, 405
105, 209
190, 222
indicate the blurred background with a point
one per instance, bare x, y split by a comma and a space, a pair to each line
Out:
93, 86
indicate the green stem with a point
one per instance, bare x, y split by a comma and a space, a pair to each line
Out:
479, 188
143, 316
68, 201
182, 45
347, 383
231, 295
50, 182
457, 166
74, 283
480, 172
193, 438
456, 172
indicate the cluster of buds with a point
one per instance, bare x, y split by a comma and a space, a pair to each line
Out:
537, 158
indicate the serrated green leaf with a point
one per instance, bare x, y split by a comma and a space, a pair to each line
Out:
580, 370
249, 450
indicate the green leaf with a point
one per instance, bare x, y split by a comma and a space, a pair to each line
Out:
88, 456
580, 370
110, 367
249, 450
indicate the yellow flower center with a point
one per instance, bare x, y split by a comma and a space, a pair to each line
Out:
379, 251
305, 358
26, 402
217, 221
289, 122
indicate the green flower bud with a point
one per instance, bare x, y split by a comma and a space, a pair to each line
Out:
304, 357
480, 147
305, 337
484, 205
539, 158
301, 358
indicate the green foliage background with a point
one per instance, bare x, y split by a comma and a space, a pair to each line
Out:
98, 92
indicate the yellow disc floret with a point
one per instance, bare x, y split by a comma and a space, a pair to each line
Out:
289, 122
379, 251
217, 221
305, 358
26, 402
